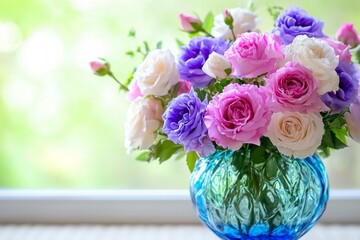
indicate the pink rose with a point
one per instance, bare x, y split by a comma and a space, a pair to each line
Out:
187, 20
185, 87
348, 35
254, 54
293, 88
341, 50
134, 91
238, 115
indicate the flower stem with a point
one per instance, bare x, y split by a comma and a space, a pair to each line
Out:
206, 32
122, 86
232, 32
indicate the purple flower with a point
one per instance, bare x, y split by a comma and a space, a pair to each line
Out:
295, 21
184, 123
349, 82
194, 55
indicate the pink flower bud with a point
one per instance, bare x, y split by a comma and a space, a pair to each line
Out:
227, 14
100, 67
185, 87
187, 20
228, 19
348, 35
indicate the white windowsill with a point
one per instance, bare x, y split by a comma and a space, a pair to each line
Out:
132, 207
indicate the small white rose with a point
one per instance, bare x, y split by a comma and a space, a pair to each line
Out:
319, 57
353, 121
353, 128
143, 120
244, 21
157, 73
296, 134
216, 65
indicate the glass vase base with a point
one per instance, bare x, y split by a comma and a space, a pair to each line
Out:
277, 197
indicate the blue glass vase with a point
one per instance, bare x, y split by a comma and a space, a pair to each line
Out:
279, 197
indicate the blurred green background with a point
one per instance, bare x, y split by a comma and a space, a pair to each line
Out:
62, 127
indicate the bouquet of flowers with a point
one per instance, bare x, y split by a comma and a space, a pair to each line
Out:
294, 90
256, 107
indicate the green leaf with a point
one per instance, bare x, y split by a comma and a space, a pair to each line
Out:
165, 149
144, 156
340, 133
335, 133
275, 11
338, 144
208, 22
179, 43
196, 26
357, 54
327, 140
159, 45
194, 34
330, 140
201, 93
147, 48
338, 122
132, 32
258, 154
324, 152
130, 53
267, 144
191, 160
219, 87
130, 78
251, 6
228, 71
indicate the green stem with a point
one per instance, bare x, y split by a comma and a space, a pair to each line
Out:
233, 33
206, 32
122, 86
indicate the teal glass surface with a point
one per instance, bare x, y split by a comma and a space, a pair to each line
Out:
279, 197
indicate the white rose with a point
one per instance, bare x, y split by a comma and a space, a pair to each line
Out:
244, 21
215, 65
353, 121
316, 55
143, 119
157, 73
296, 134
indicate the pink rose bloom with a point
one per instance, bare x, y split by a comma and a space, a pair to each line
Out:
187, 20
341, 50
293, 88
238, 115
348, 35
134, 91
254, 54
185, 87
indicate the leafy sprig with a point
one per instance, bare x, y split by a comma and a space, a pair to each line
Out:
275, 11
335, 133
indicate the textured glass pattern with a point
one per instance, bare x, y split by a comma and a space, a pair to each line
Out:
275, 198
